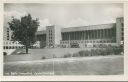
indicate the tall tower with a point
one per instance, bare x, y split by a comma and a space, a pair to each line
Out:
119, 30
53, 36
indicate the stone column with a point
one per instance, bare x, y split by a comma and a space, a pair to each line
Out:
96, 34
103, 33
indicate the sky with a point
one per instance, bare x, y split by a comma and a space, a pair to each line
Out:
65, 15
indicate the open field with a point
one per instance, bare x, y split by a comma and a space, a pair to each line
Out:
100, 65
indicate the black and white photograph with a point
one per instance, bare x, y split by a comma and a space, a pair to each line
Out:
43, 39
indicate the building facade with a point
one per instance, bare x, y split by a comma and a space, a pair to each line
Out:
102, 35
86, 36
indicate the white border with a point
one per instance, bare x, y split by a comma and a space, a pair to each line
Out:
68, 78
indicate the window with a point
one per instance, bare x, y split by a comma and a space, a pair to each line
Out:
122, 34
122, 29
122, 38
122, 24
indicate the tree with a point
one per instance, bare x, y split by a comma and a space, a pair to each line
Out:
23, 30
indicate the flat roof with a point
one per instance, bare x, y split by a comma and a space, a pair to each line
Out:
90, 27
81, 28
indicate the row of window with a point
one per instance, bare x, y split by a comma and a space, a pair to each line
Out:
17, 47
11, 43
50, 41
108, 41
50, 31
50, 36
17, 43
7, 33
94, 46
13, 47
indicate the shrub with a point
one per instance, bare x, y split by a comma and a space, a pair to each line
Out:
67, 55
95, 52
54, 56
110, 50
75, 55
84, 53
117, 50
43, 57
4, 53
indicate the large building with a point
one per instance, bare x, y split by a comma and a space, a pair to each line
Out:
84, 36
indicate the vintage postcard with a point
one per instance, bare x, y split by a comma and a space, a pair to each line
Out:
56, 39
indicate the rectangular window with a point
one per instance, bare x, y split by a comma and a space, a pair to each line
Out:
122, 38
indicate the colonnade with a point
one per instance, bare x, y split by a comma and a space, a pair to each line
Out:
89, 34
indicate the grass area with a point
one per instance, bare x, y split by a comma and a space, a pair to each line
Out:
40, 54
37, 54
100, 65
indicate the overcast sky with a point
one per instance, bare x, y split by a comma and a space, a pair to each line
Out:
66, 15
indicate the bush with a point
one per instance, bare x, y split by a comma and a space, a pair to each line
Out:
100, 52
84, 53
81, 53
67, 55
43, 57
117, 50
109, 51
75, 55
94, 52
54, 56
4, 53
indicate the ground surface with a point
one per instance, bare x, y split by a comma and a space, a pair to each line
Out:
100, 65
37, 54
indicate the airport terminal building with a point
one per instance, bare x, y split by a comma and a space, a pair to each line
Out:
111, 34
